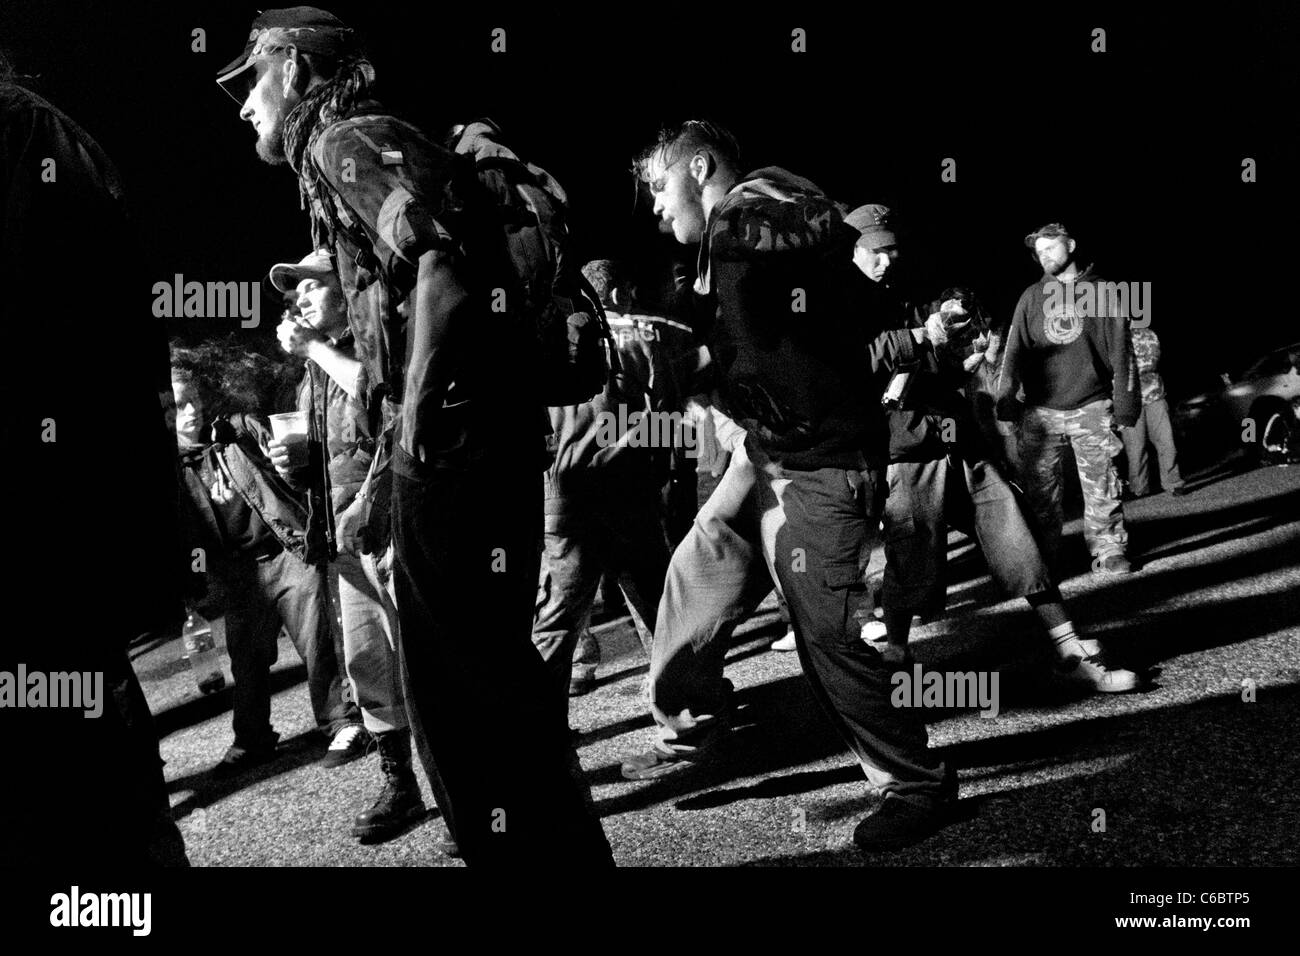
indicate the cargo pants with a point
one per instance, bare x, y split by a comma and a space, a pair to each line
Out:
809, 532
1090, 430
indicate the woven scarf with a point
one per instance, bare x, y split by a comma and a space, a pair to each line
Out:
317, 111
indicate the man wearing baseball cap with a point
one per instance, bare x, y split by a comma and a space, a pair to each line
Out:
457, 435
329, 392
1080, 381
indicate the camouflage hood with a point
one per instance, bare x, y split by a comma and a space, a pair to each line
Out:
768, 183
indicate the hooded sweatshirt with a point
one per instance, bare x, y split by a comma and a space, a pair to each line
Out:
788, 336
1067, 355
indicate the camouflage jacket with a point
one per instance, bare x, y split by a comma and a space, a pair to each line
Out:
388, 195
1146, 349
788, 336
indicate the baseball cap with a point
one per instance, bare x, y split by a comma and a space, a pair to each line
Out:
310, 29
874, 222
1049, 231
285, 276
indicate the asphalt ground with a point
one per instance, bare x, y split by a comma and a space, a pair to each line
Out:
1186, 772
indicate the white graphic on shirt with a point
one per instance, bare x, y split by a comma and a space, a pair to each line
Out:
1062, 324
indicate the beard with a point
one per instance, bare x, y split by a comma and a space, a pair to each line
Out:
270, 146
1055, 268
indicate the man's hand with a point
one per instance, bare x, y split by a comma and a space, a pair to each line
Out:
350, 526
295, 339
287, 458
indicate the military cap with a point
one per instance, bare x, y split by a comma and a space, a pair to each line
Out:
874, 222
310, 29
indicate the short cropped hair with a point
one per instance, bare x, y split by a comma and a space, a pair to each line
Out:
691, 137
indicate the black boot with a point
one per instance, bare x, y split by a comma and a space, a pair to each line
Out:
399, 804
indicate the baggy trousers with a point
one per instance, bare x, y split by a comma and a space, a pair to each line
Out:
369, 611
928, 497
466, 527
589, 530
1155, 427
266, 593
1091, 432
810, 532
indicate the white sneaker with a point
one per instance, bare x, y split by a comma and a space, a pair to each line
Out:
351, 743
874, 631
786, 643
1099, 677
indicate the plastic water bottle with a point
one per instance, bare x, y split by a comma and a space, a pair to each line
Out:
204, 652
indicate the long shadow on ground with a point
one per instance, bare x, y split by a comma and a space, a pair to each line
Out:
1212, 783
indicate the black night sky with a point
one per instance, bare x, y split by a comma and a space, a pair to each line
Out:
1137, 149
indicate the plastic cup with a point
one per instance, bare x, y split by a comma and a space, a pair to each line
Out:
289, 426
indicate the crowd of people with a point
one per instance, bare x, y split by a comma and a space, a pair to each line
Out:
836, 407
833, 414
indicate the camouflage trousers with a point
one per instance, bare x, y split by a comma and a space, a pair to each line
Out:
1090, 430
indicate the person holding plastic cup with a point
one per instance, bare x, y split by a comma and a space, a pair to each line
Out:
253, 559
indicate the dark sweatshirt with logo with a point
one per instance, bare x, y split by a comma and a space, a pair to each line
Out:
788, 336
1067, 355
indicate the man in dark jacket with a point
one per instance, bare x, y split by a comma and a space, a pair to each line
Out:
796, 502
1069, 348
463, 431
263, 568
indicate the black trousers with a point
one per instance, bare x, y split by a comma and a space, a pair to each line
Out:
466, 530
